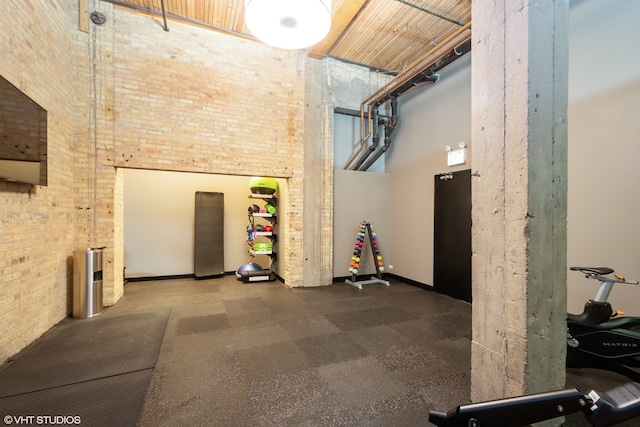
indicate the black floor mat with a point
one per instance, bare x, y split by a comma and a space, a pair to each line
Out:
83, 364
112, 401
78, 350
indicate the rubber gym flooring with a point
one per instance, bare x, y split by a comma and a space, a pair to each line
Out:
219, 352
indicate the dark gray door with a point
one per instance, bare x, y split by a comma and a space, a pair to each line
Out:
209, 233
452, 235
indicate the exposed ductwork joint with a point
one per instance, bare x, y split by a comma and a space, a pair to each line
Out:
375, 140
388, 124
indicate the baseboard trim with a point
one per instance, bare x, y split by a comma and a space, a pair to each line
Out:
387, 276
184, 276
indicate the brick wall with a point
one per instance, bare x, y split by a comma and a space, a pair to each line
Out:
212, 104
98, 191
128, 94
36, 222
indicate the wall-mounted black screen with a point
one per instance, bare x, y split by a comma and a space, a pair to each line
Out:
23, 137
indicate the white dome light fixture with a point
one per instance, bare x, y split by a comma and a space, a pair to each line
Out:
288, 24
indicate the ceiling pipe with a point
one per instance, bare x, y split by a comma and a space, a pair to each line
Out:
389, 125
430, 73
406, 75
427, 76
421, 63
421, 78
420, 70
375, 140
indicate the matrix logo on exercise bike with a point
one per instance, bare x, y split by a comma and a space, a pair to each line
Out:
610, 344
620, 344
600, 337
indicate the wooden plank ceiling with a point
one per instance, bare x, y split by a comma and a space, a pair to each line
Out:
388, 35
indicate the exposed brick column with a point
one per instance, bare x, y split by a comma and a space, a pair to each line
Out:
98, 185
519, 142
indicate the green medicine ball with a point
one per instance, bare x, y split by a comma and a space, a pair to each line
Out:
261, 185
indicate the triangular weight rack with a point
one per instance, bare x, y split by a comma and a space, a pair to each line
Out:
365, 228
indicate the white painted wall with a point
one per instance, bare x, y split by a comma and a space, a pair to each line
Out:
603, 50
159, 211
430, 118
604, 148
359, 196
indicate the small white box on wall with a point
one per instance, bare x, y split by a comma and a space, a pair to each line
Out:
457, 157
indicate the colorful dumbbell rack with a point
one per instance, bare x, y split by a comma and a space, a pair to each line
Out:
354, 266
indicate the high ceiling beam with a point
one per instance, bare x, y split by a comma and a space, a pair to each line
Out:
340, 20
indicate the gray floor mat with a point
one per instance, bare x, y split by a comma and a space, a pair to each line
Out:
79, 350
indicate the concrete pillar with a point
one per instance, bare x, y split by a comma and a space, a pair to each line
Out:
318, 182
519, 187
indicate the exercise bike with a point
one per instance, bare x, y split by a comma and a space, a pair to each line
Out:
600, 337
601, 410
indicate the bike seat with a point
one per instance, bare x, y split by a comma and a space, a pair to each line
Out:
598, 271
585, 319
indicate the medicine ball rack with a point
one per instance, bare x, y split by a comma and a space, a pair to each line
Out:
267, 274
365, 228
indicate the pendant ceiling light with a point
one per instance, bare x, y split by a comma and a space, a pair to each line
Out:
288, 24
